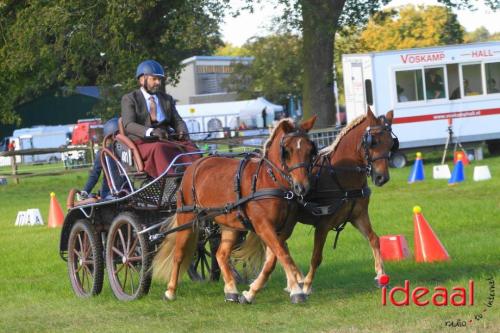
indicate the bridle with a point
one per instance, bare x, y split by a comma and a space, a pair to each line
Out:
369, 142
285, 170
284, 165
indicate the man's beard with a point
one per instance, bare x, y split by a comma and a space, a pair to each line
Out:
153, 90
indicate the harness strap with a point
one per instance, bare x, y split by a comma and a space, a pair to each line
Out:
342, 226
209, 212
241, 213
179, 228
339, 198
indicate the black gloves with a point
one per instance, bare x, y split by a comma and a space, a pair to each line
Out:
183, 136
160, 133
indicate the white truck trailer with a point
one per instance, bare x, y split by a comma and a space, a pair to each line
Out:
43, 137
426, 87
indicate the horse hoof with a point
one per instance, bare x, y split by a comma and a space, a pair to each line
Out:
232, 298
167, 298
298, 298
243, 300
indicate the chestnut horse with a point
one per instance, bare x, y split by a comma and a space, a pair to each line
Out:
264, 188
339, 192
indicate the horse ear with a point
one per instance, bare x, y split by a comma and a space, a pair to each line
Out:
287, 126
306, 125
389, 116
369, 112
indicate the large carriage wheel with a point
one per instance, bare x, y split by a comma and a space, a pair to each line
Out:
128, 258
85, 261
204, 266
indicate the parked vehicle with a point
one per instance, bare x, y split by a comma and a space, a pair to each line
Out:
43, 137
87, 130
426, 87
6, 144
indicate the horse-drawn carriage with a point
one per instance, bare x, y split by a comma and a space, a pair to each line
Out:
268, 197
122, 234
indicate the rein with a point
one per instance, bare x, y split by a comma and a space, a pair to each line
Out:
369, 142
283, 191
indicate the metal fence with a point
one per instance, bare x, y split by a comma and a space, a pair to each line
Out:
324, 136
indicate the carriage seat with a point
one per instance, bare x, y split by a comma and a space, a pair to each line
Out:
127, 151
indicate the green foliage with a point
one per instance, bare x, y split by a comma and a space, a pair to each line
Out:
410, 26
232, 51
481, 34
275, 72
50, 44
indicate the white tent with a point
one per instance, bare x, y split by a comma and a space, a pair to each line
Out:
251, 113
215, 116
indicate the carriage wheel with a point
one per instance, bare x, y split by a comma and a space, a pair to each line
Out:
128, 258
204, 266
85, 261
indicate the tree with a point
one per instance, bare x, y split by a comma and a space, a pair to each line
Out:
318, 20
231, 51
276, 71
410, 27
481, 34
45, 45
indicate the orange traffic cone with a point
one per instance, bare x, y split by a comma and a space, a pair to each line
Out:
428, 248
56, 216
393, 247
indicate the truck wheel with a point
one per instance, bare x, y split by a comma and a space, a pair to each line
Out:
493, 147
398, 160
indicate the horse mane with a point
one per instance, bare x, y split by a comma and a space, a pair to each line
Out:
268, 142
331, 148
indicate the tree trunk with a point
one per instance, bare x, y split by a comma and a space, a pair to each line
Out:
319, 23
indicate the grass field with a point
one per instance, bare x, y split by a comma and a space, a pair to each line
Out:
35, 293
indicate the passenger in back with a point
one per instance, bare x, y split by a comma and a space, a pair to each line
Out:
110, 127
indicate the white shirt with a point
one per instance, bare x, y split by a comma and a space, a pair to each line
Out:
160, 115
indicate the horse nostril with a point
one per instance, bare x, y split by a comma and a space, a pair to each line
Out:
380, 180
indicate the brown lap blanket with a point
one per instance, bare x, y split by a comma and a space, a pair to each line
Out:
158, 155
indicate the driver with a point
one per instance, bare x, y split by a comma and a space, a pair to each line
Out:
151, 120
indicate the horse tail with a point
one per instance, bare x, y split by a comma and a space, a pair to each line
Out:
164, 259
251, 253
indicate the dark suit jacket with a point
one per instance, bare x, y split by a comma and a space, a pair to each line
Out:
136, 119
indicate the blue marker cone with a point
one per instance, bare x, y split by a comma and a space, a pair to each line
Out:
457, 175
417, 172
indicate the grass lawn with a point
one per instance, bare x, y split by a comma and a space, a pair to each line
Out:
36, 296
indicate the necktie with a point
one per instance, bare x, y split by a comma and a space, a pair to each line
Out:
152, 109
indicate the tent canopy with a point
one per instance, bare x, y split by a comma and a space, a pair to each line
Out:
247, 111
